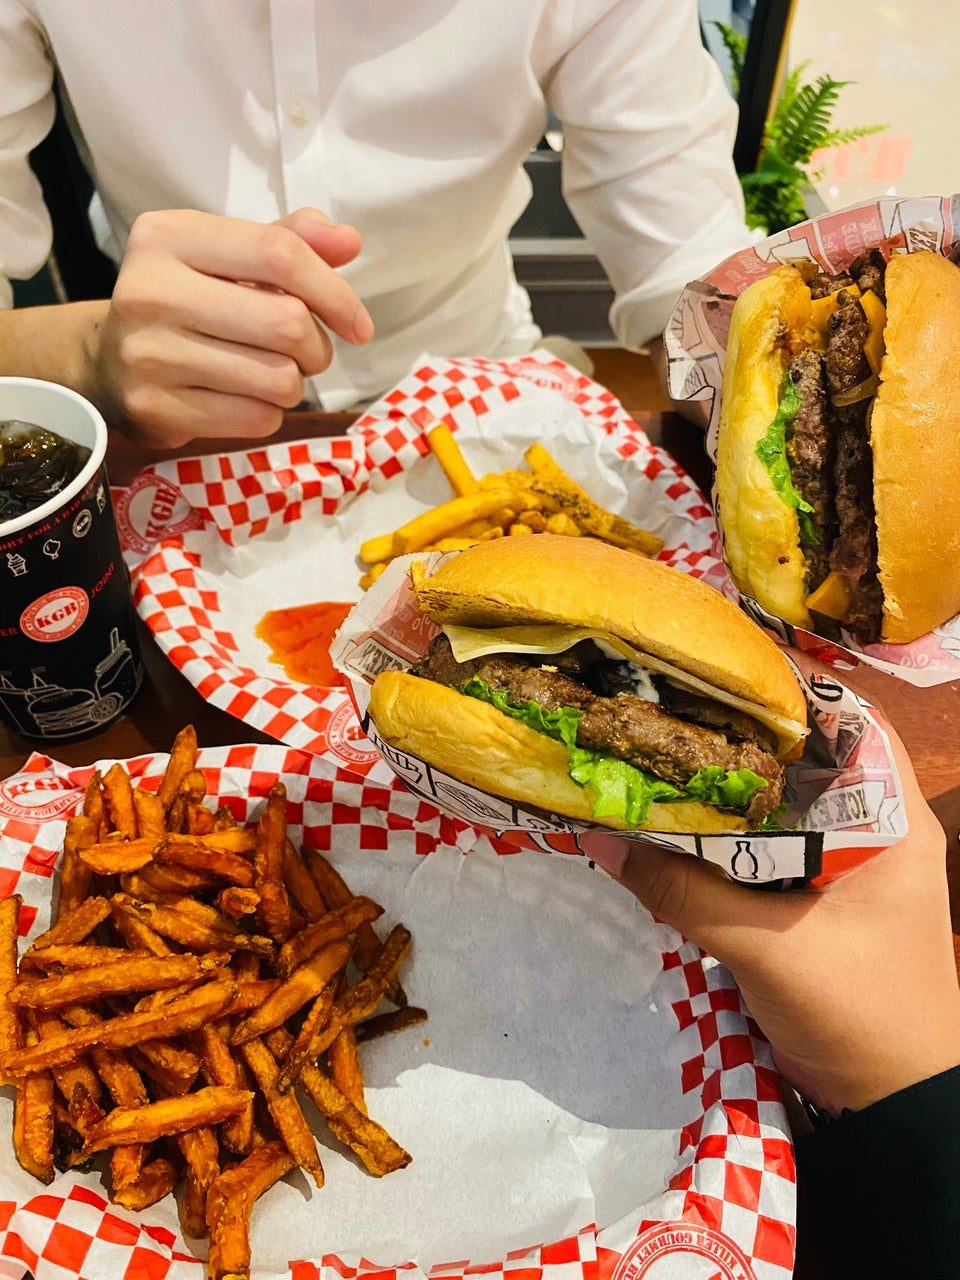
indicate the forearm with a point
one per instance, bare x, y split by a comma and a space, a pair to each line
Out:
57, 343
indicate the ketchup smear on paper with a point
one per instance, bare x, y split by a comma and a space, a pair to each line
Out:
299, 639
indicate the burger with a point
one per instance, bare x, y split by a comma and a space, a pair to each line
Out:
838, 459
588, 681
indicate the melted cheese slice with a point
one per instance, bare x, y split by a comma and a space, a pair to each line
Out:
479, 642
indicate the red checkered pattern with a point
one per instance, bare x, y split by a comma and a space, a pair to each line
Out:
734, 1166
240, 495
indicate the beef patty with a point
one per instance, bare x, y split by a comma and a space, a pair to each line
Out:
624, 725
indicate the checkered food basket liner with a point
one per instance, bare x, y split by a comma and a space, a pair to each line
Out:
843, 798
216, 542
567, 1120
696, 342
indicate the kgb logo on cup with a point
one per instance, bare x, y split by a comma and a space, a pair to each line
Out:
56, 615
685, 1249
37, 795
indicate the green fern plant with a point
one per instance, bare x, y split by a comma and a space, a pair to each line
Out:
799, 126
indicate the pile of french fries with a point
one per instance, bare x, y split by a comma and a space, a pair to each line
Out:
506, 503
200, 978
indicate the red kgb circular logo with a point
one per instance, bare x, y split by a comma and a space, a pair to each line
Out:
150, 510
683, 1251
346, 739
37, 795
56, 615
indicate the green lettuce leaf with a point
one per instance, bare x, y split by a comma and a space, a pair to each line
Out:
772, 452
623, 791
730, 789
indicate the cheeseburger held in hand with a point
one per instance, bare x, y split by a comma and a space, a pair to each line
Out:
591, 682
838, 459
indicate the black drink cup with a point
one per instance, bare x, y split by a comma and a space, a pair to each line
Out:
69, 658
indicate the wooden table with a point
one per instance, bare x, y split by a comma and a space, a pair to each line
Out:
928, 720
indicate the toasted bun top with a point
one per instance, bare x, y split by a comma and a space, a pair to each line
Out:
915, 434
585, 583
761, 533
472, 741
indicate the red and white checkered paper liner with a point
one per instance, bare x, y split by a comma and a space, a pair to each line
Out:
194, 528
696, 342
726, 1190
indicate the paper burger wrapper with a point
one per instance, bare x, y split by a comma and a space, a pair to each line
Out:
696, 343
843, 797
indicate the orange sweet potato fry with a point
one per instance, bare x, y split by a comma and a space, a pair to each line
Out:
200, 1151
274, 911
111, 857
33, 1121
208, 1106
197, 926
380, 1153
93, 805
150, 815
118, 801
336, 924
70, 1075
229, 1203
300, 886
345, 1069
180, 880
75, 874
167, 1064
183, 1015
11, 1030
303, 984
284, 1110
236, 902
134, 929
194, 854
75, 925
152, 1182
183, 758
77, 956
134, 886
385, 1023
83, 985
221, 1067
199, 820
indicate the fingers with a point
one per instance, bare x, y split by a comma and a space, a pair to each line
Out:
695, 898
187, 300
272, 255
336, 243
167, 417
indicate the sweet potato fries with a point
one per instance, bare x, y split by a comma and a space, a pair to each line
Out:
200, 979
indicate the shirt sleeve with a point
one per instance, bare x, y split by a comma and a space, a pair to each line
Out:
880, 1188
27, 110
647, 164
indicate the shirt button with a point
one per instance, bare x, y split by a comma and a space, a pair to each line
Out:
298, 113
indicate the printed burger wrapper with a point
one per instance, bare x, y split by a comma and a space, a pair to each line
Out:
696, 343
588, 1097
843, 797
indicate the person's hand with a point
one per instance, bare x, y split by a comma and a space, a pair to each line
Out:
854, 985
215, 322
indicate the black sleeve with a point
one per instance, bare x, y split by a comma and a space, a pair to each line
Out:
882, 1186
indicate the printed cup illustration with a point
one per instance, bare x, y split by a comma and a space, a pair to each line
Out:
843, 797
69, 657
696, 341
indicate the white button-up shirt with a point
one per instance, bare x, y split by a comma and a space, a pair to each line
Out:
409, 119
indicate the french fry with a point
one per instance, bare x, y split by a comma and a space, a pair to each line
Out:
219, 1066
77, 957
518, 528
435, 524
75, 925
563, 524
67, 1139
193, 786
331, 927
236, 902
180, 880
386, 1023
452, 544
71, 1075
367, 579
134, 929
232, 839
345, 1069
490, 535
207, 1106
118, 801
111, 857
197, 926
83, 985
284, 1109
300, 887
183, 758
304, 984
183, 1015
75, 874
357, 1003
172, 1067
335, 893
93, 805
200, 821
11, 1028
274, 911
550, 479
152, 1183
251, 995
134, 886
379, 1153
200, 1151
194, 854
150, 814
33, 1120
229, 1203
84, 1110
376, 550
245, 966
535, 521
447, 452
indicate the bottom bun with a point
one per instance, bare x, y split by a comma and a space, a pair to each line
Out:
477, 744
